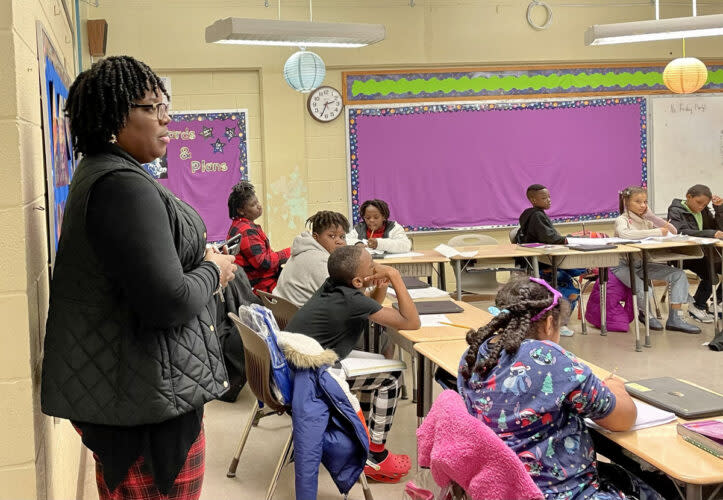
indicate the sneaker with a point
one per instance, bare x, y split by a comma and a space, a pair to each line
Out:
676, 323
654, 323
700, 314
565, 331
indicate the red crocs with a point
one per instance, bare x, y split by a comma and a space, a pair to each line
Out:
390, 470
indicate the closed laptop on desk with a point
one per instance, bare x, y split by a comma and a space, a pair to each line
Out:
682, 398
435, 307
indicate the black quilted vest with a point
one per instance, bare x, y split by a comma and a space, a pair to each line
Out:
101, 365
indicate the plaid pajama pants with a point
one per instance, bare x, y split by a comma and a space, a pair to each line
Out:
378, 396
139, 485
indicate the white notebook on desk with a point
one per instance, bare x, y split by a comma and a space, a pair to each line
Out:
368, 363
648, 416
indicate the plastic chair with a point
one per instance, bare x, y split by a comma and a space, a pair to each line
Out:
282, 309
258, 373
481, 280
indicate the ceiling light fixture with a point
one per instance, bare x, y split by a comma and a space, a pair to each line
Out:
658, 29
293, 33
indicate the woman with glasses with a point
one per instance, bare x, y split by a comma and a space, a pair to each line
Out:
131, 349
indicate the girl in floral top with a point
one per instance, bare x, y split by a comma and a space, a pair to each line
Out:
534, 394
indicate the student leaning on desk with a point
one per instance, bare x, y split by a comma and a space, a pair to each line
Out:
534, 395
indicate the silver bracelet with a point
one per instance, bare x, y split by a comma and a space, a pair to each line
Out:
218, 268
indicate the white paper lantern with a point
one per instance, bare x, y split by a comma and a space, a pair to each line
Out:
304, 71
685, 75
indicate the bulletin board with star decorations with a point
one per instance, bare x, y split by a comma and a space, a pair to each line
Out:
207, 155
460, 165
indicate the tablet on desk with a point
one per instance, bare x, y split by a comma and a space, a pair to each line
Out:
413, 283
683, 399
435, 307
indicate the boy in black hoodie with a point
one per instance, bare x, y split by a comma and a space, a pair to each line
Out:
536, 227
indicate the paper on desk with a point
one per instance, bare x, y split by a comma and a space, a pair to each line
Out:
648, 416
402, 255
373, 251
704, 241
596, 241
422, 293
449, 251
433, 319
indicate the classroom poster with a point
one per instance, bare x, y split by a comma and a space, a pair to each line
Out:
207, 155
59, 158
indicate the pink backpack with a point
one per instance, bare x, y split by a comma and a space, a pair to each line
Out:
618, 315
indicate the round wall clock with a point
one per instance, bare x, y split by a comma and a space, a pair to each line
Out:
325, 104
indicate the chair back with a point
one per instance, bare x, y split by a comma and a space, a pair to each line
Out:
258, 365
513, 234
472, 240
282, 309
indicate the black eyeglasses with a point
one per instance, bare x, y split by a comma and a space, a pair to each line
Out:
161, 108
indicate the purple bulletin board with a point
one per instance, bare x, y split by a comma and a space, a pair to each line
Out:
207, 155
468, 165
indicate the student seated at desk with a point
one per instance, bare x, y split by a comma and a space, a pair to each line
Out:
336, 315
693, 217
261, 263
307, 270
534, 394
536, 227
376, 231
637, 221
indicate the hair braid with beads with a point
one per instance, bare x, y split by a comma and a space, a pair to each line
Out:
99, 100
325, 219
520, 300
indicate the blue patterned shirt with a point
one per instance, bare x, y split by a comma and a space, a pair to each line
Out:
535, 400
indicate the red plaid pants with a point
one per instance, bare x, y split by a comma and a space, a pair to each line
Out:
138, 484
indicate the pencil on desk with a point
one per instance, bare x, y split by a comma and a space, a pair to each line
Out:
454, 324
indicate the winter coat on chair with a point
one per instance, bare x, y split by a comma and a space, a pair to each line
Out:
329, 427
618, 316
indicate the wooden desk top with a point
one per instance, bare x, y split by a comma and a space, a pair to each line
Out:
664, 244
472, 317
428, 256
503, 251
564, 251
660, 446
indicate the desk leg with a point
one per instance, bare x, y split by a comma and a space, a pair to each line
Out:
553, 261
603, 274
442, 276
713, 278
366, 337
693, 491
631, 268
535, 266
377, 336
646, 289
458, 277
421, 389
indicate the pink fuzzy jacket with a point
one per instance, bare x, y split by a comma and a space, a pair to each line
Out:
458, 447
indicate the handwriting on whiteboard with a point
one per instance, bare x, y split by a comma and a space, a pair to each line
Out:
688, 108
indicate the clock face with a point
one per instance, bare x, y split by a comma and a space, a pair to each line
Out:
325, 104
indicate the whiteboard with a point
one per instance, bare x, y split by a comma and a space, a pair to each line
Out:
687, 146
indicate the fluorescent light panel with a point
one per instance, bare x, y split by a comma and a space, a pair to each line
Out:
242, 31
660, 29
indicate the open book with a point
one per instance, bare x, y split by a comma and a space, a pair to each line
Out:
648, 416
367, 363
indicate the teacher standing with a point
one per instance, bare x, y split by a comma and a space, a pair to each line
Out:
131, 350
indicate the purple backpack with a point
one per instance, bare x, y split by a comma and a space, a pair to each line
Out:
618, 315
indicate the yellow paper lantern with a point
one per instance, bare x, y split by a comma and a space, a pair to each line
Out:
685, 75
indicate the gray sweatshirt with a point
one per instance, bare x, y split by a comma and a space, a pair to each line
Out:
304, 272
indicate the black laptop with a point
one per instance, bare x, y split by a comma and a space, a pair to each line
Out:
413, 283
685, 400
435, 307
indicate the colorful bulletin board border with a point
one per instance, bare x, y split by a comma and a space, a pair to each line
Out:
206, 157
433, 108
58, 148
398, 86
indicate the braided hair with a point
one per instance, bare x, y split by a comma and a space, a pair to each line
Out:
99, 100
380, 205
522, 299
625, 195
324, 219
241, 193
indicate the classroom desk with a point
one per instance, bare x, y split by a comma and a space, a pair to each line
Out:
421, 265
660, 446
492, 253
568, 258
665, 251
406, 339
